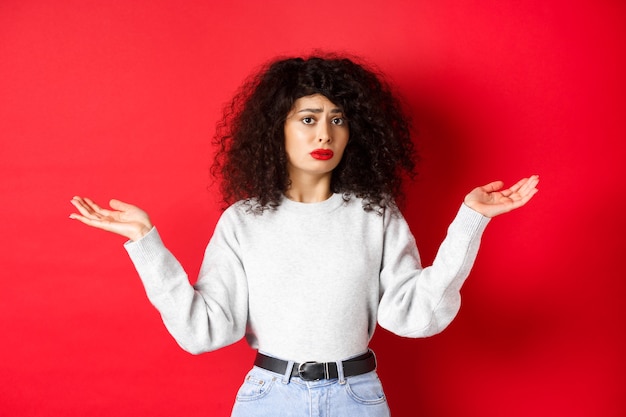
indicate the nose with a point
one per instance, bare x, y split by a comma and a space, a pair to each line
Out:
323, 134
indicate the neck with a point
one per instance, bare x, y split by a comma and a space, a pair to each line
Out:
309, 191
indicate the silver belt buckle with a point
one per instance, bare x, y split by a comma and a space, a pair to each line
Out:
301, 370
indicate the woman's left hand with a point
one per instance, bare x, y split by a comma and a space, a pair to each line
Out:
491, 200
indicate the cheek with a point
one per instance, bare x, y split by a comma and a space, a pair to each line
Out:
342, 140
291, 138
294, 133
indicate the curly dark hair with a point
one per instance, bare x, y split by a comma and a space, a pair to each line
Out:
251, 160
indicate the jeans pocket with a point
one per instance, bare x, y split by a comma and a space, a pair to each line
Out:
365, 389
256, 385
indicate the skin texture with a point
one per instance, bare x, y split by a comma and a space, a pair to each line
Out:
314, 123
123, 219
491, 199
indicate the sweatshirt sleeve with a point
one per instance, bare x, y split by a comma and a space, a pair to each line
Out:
203, 317
417, 301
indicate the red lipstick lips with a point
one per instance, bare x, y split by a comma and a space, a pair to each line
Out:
322, 154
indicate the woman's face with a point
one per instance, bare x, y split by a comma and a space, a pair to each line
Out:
316, 134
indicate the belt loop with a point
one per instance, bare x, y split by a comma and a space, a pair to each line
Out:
342, 379
375, 360
287, 375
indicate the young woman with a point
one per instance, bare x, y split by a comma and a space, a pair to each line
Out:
312, 251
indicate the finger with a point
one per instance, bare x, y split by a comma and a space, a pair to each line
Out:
532, 182
493, 186
76, 200
518, 185
89, 212
83, 219
103, 224
97, 209
83, 207
84, 203
523, 198
529, 195
520, 188
529, 186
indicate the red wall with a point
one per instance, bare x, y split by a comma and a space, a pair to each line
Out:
119, 99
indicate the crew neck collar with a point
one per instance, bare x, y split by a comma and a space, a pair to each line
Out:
331, 203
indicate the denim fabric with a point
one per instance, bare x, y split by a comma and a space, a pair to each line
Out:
266, 393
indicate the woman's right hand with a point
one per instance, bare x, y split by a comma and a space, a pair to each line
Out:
125, 219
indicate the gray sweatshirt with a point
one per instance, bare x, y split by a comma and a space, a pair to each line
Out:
309, 282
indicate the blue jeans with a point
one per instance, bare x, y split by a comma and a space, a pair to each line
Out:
265, 393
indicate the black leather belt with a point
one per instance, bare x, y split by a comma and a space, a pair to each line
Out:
313, 371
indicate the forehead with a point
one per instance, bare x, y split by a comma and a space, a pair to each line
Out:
315, 101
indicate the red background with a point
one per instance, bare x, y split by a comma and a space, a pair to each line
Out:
119, 99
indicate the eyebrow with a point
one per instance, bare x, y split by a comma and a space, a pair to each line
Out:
319, 110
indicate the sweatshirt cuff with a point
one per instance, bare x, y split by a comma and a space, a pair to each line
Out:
469, 222
146, 249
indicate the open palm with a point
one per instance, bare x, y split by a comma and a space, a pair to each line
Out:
124, 219
491, 200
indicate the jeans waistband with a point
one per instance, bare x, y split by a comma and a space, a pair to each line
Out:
313, 371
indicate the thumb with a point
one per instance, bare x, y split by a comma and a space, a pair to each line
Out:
493, 186
120, 205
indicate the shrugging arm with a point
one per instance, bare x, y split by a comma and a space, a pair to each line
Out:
204, 317
420, 302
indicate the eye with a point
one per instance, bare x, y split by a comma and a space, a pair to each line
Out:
338, 121
308, 120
